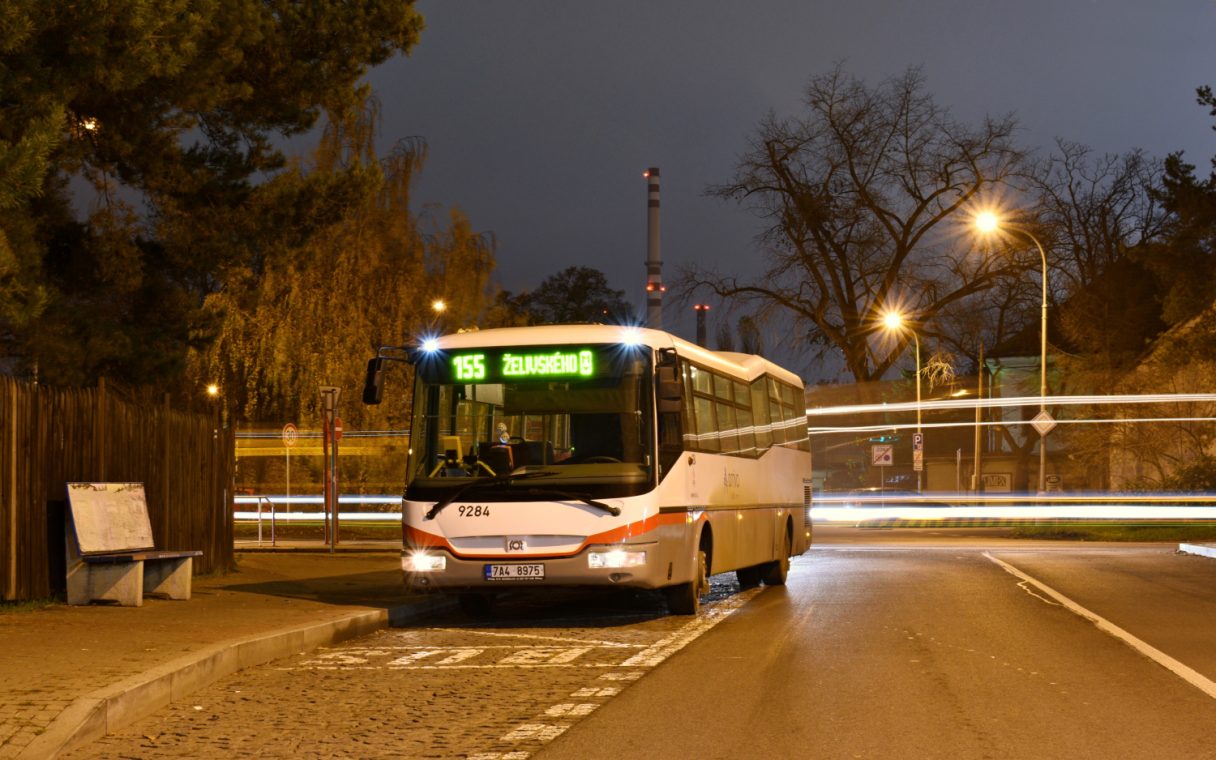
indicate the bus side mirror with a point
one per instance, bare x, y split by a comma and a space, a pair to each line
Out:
373, 385
669, 391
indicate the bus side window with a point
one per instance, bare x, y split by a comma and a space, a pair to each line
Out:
760, 418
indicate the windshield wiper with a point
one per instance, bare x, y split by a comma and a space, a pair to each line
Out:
571, 496
497, 480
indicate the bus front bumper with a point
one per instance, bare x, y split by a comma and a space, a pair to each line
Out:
633, 565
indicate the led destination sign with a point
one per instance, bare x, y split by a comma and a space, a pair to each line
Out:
518, 365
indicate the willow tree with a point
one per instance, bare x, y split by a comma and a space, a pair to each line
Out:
159, 106
857, 194
312, 314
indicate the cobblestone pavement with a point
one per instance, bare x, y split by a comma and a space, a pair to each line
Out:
51, 657
454, 689
32, 694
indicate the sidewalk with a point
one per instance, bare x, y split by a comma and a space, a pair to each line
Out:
68, 672
1203, 550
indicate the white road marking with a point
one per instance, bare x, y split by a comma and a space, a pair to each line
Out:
541, 732
571, 710
565, 639
1025, 586
440, 658
597, 691
632, 675
545, 656
1185, 672
709, 617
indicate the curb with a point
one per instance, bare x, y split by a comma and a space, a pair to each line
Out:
1205, 550
109, 709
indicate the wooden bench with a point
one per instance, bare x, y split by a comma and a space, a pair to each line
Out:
110, 553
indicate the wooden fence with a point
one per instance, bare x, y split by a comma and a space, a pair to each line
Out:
50, 437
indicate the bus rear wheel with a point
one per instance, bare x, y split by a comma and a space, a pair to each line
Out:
749, 576
776, 572
685, 598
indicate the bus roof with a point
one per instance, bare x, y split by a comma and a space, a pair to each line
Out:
744, 366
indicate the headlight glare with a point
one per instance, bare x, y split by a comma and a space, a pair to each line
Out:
612, 558
424, 562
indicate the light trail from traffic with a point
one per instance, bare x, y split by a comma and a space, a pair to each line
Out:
950, 507
855, 508
998, 423
1013, 401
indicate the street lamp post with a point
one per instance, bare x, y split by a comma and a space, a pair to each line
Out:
894, 321
988, 222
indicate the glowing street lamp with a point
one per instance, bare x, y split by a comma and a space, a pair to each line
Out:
433, 327
988, 223
893, 321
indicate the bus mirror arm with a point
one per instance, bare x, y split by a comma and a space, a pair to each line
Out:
373, 383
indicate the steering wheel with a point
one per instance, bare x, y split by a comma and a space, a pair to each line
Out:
601, 460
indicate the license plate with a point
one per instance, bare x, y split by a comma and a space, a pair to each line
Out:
515, 572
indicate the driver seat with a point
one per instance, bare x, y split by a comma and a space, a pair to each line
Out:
498, 459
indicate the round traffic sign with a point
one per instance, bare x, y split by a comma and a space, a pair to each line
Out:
290, 435
337, 428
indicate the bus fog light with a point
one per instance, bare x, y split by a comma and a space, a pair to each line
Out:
422, 562
616, 558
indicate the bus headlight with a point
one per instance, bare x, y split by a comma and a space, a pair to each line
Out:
615, 558
422, 562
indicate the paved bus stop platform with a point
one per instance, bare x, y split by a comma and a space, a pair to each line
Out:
68, 673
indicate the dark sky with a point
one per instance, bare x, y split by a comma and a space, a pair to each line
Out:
542, 116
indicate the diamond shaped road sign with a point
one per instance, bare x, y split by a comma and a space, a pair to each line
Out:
1043, 422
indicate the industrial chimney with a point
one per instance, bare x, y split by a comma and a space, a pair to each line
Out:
654, 263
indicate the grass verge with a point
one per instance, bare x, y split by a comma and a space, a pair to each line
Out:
1200, 533
30, 605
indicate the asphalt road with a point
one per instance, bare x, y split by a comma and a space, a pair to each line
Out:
906, 644
884, 644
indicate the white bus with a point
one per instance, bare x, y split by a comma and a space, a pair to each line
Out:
597, 455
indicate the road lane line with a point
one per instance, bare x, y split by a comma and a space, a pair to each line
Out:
710, 616
1185, 672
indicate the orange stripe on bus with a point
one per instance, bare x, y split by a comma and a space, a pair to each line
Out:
423, 540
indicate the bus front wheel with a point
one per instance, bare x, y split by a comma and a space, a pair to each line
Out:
685, 598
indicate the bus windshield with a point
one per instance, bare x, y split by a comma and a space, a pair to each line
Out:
578, 414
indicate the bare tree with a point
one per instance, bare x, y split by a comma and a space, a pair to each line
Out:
858, 193
1095, 208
